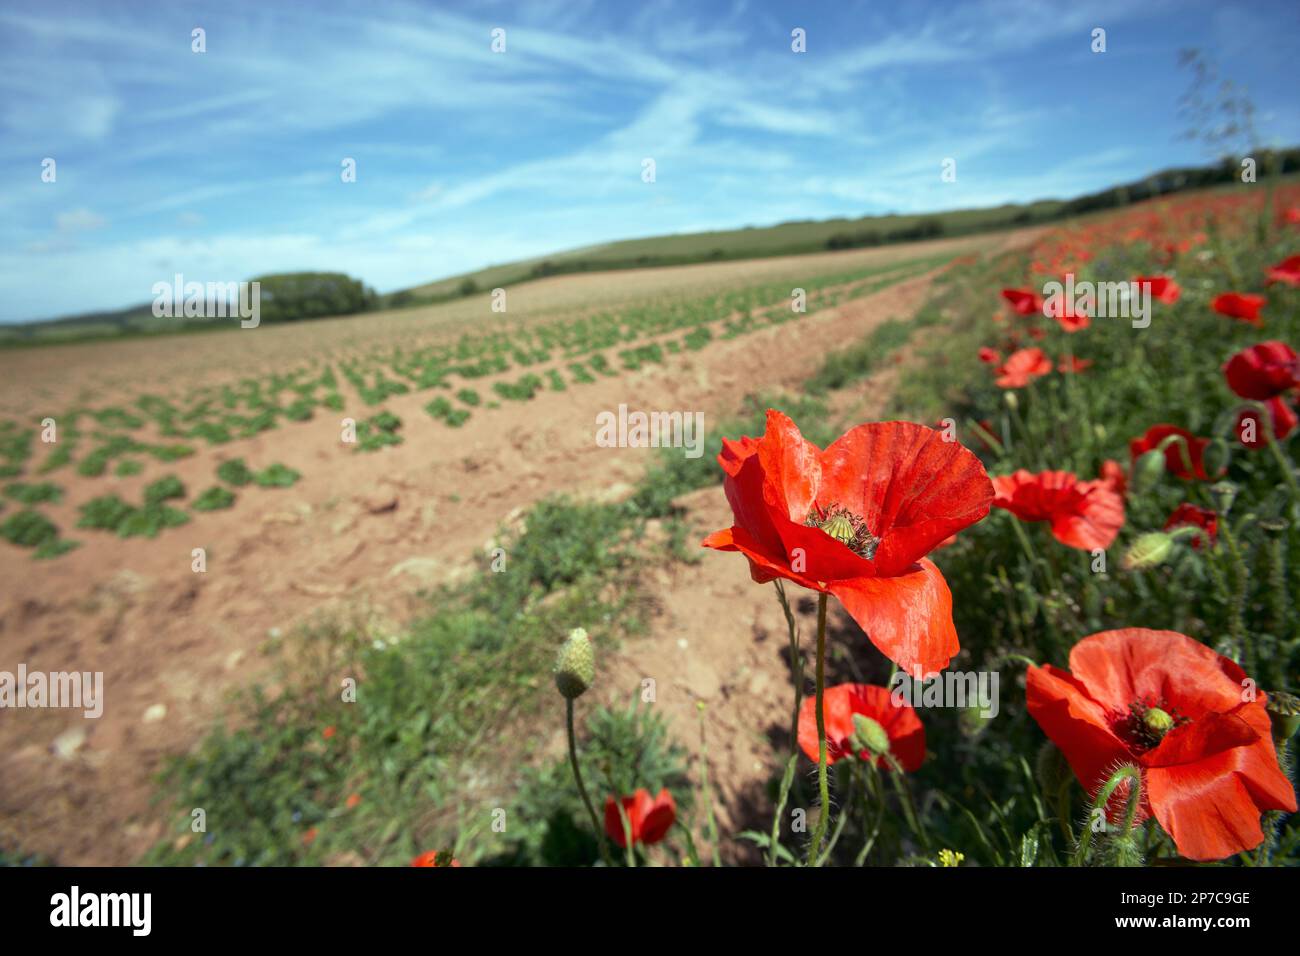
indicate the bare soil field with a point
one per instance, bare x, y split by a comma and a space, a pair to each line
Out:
361, 535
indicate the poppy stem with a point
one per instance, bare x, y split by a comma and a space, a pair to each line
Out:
1127, 772
577, 778
796, 672
823, 816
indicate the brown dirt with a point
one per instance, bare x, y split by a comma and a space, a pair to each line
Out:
361, 535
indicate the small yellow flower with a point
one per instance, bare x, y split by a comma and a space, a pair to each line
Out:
950, 858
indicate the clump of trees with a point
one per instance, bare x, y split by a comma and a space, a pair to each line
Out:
291, 296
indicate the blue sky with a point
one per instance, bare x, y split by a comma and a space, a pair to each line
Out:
226, 164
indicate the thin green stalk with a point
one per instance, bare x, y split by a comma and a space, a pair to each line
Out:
823, 816
577, 778
1126, 772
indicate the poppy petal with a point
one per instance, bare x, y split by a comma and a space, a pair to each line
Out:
911, 487
907, 616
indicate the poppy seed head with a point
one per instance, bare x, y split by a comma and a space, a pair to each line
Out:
845, 527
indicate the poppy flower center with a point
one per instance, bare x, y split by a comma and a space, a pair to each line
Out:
845, 527
1146, 724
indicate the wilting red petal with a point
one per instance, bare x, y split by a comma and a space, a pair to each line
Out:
989, 356
1263, 371
1236, 305
908, 617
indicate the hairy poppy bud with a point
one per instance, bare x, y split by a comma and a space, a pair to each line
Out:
575, 665
868, 735
1284, 711
1148, 470
1148, 550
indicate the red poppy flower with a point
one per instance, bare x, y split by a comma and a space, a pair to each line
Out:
1073, 364
1288, 271
1163, 289
649, 817
1203, 518
989, 356
1175, 455
328, 732
1037, 334
1022, 367
856, 521
1292, 216
430, 858
1242, 306
899, 722
1083, 514
1023, 301
1282, 422
1263, 371
1174, 708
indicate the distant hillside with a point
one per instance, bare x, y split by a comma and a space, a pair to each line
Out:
789, 238
795, 238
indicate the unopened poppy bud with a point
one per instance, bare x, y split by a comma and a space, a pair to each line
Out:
1284, 711
1148, 550
868, 735
1224, 494
575, 665
1148, 470
1011, 400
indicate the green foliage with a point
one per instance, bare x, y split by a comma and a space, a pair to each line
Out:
234, 472
443, 410
378, 431
293, 296
32, 494
276, 476
164, 489
432, 708
214, 499
621, 750
28, 529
